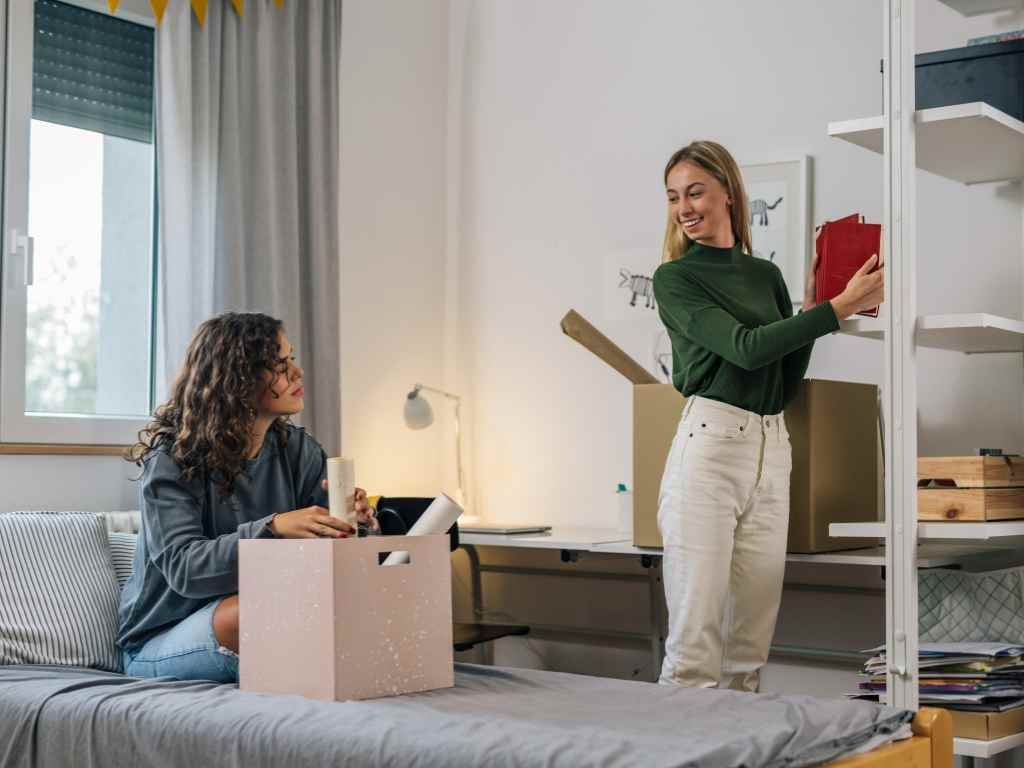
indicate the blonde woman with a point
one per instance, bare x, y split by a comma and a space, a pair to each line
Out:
738, 355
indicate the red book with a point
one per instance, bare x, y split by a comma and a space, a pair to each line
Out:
843, 246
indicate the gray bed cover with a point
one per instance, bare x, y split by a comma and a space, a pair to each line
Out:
60, 716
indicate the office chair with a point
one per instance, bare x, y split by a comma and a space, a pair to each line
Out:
396, 516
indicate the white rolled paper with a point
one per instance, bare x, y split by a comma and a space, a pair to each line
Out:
341, 489
437, 518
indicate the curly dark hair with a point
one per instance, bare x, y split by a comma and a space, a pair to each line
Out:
206, 424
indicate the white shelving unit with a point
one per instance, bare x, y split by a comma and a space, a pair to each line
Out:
971, 143
972, 334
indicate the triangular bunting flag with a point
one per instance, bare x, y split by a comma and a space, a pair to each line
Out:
158, 6
279, 3
113, 5
239, 6
199, 7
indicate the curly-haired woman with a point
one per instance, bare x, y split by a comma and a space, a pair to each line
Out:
220, 462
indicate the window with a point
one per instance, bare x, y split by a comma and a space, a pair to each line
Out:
76, 349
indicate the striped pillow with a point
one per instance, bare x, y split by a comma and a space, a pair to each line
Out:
58, 594
122, 553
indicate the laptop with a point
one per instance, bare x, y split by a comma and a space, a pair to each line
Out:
502, 528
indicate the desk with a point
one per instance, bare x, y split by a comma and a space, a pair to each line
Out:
571, 541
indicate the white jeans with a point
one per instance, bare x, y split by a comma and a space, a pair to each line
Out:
723, 513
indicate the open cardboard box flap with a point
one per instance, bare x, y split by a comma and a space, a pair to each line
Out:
575, 326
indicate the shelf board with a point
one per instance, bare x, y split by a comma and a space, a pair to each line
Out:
865, 327
978, 7
929, 555
971, 143
971, 531
977, 748
950, 531
977, 333
973, 334
874, 530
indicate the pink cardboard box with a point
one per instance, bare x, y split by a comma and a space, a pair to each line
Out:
323, 618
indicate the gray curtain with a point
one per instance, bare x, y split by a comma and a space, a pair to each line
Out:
247, 157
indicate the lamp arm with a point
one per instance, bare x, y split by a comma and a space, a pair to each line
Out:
436, 391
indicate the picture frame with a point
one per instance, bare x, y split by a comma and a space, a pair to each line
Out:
778, 192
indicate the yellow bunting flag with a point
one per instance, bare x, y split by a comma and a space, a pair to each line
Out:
279, 3
199, 7
113, 5
158, 6
239, 6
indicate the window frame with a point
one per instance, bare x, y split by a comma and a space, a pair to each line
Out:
21, 432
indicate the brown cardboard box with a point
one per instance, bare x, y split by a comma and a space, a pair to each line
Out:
323, 618
987, 725
837, 463
833, 480
833, 427
656, 412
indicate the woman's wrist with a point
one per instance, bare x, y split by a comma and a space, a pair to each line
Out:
840, 307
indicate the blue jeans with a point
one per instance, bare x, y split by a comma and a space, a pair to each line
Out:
188, 651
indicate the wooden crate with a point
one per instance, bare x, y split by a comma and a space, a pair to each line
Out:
970, 488
971, 471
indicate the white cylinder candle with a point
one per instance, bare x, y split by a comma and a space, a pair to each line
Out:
341, 489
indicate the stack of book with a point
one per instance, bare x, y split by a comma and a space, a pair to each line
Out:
979, 677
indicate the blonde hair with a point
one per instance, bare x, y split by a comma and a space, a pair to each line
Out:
716, 160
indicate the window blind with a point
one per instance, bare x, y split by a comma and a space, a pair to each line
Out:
92, 71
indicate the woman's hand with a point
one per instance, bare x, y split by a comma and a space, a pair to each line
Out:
810, 286
309, 523
365, 514
866, 290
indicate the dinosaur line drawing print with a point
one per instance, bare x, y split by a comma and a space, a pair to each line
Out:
638, 285
759, 210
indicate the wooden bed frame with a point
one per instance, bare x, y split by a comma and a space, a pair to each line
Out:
930, 747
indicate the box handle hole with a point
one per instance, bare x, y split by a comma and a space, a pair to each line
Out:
401, 557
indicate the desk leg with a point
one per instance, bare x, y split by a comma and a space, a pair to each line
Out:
477, 590
657, 595
475, 586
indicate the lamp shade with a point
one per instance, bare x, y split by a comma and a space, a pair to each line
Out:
418, 413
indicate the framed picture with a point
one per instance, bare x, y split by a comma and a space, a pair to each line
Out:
779, 195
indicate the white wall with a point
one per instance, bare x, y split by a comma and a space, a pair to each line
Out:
392, 222
88, 483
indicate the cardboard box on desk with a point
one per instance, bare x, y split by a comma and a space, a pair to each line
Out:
323, 618
833, 430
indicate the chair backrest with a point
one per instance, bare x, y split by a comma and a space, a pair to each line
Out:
397, 514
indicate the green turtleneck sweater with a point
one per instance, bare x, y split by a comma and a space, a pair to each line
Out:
734, 336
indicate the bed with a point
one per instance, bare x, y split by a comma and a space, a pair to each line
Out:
59, 716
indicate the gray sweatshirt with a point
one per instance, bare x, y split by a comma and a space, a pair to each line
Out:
187, 553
